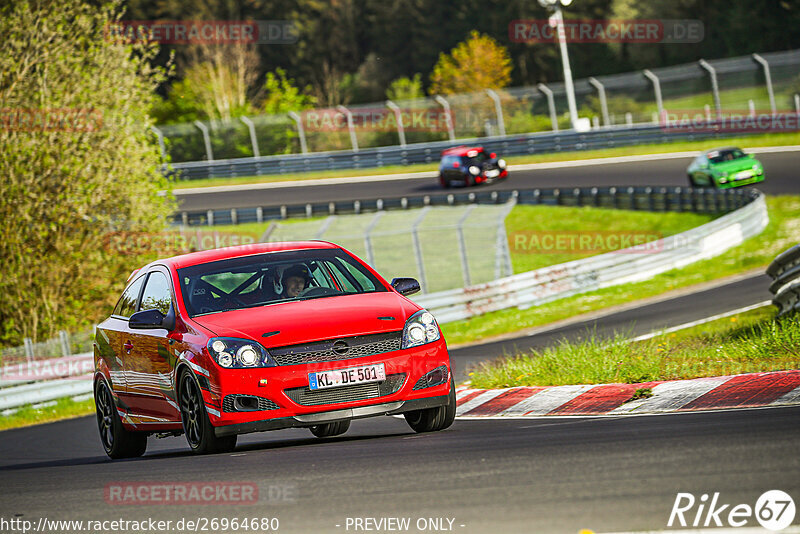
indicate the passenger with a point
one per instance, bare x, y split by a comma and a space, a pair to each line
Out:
293, 281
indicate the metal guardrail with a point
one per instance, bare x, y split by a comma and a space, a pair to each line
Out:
785, 273
697, 200
45, 380
544, 285
509, 145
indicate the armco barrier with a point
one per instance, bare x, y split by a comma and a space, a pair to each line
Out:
509, 145
697, 200
785, 273
544, 285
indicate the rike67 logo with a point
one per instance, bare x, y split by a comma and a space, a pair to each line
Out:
774, 510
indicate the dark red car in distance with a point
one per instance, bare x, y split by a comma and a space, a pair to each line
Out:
467, 166
262, 337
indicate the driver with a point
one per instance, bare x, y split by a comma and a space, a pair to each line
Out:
294, 280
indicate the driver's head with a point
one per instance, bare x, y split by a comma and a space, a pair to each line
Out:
295, 279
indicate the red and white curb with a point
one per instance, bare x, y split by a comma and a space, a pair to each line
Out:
779, 388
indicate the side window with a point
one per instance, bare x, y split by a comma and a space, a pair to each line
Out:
157, 295
360, 278
127, 302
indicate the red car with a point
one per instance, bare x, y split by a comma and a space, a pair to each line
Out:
261, 337
470, 165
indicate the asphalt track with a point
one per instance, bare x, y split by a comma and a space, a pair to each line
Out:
781, 169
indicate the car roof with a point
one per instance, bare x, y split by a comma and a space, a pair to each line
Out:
722, 149
461, 150
205, 256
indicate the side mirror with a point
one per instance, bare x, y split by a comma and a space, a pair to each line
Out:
405, 286
149, 319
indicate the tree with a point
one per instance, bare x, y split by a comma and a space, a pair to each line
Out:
79, 163
281, 95
477, 63
405, 88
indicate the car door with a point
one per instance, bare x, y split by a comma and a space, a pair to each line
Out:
149, 364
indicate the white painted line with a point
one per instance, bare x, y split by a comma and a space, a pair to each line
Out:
477, 401
463, 392
702, 321
671, 396
546, 401
432, 174
793, 397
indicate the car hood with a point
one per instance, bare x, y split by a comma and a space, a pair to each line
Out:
735, 165
313, 319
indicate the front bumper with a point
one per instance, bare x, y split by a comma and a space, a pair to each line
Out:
738, 183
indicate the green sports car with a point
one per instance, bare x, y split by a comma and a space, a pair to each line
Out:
724, 168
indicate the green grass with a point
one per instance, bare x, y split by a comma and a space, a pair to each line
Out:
757, 252
746, 343
61, 409
776, 139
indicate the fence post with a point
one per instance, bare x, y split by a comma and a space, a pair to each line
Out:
350, 126
551, 104
300, 131
797, 104
161, 144
206, 139
368, 239
502, 252
448, 117
398, 115
28, 344
768, 77
657, 89
253, 139
418, 247
714, 85
462, 245
498, 109
63, 337
601, 91
752, 107
325, 225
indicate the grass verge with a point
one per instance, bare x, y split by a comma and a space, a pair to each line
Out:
754, 141
757, 252
750, 342
60, 409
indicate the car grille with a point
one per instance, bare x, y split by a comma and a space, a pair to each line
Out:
307, 397
332, 350
247, 403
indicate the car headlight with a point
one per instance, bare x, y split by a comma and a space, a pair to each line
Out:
238, 353
474, 170
501, 163
421, 328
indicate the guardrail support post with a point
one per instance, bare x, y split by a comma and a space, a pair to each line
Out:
498, 109
418, 247
551, 104
714, 85
350, 126
253, 139
206, 139
398, 115
298, 120
448, 117
767, 76
601, 91
462, 245
161, 144
656, 89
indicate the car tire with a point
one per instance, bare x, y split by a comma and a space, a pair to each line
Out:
328, 430
117, 441
198, 428
434, 419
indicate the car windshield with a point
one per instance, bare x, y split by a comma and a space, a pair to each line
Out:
272, 278
720, 156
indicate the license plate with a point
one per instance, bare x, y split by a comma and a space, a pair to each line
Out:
493, 173
744, 175
346, 377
